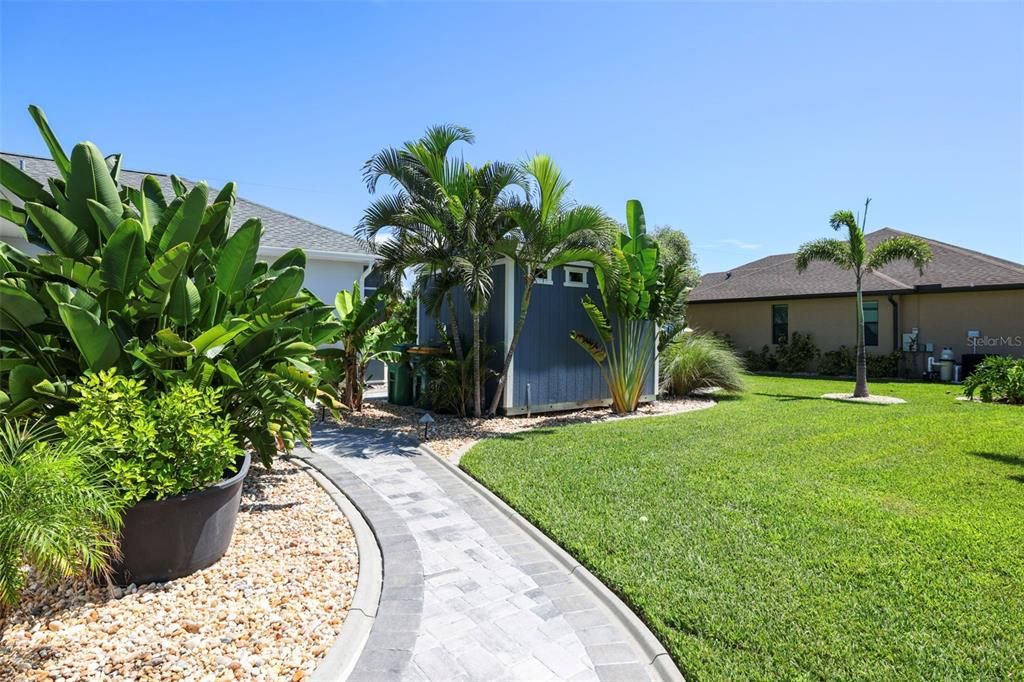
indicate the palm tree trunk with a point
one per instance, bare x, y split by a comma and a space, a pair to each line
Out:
861, 389
477, 402
349, 396
524, 306
357, 390
456, 336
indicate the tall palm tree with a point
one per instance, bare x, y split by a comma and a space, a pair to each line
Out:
550, 232
853, 254
411, 234
447, 220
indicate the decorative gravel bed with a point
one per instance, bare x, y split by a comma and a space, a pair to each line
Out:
267, 611
451, 436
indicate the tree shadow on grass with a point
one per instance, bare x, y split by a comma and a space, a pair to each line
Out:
786, 397
1003, 458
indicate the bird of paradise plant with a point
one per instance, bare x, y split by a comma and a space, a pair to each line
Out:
635, 290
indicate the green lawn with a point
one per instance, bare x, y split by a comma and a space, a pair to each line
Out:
780, 535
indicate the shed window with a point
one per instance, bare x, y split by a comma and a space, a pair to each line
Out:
543, 277
780, 323
870, 323
576, 277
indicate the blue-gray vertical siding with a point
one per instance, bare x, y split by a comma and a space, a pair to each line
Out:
556, 369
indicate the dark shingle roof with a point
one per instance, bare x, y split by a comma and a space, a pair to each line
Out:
952, 267
279, 229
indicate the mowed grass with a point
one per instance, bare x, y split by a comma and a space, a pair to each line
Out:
781, 535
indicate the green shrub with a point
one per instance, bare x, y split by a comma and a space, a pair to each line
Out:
57, 513
798, 354
764, 361
887, 365
174, 443
700, 361
838, 363
795, 355
448, 383
160, 287
843, 362
997, 378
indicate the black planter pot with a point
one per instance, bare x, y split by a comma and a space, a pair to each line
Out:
166, 539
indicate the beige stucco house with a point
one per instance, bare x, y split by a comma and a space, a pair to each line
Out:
968, 301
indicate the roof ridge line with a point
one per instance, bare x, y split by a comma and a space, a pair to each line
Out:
126, 170
963, 250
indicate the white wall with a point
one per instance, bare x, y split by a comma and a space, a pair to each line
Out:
19, 243
323, 277
326, 278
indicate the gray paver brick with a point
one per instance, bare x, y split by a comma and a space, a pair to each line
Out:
467, 595
621, 672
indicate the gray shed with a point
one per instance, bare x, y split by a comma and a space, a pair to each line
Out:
549, 371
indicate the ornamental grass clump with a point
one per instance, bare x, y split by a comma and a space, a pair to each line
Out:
156, 446
697, 361
58, 515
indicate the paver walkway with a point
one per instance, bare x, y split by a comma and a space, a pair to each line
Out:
467, 594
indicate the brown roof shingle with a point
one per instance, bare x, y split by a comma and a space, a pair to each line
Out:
952, 267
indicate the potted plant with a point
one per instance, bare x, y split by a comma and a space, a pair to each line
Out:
172, 458
155, 282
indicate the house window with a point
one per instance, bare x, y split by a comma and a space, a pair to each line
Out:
576, 277
870, 323
780, 323
543, 277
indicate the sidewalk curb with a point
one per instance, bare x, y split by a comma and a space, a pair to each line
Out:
659, 661
341, 658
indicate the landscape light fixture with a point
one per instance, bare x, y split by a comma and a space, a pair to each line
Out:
426, 420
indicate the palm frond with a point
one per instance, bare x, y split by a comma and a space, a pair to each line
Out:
438, 139
855, 233
832, 251
900, 248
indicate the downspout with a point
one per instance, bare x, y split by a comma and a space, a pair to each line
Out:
896, 345
895, 323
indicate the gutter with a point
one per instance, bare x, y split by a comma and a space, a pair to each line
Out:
849, 294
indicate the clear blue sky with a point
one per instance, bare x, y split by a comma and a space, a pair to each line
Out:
744, 125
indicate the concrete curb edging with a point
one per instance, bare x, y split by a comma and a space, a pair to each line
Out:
658, 659
341, 658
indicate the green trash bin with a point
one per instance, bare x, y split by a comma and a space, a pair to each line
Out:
399, 383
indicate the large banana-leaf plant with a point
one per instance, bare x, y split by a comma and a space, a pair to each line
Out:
635, 291
158, 287
364, 337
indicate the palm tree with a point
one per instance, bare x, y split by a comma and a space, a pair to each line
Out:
853, 254
551, 232
447, 219
412, 235
57, 514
